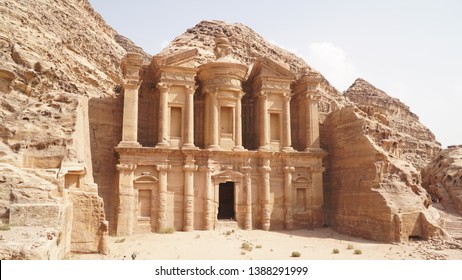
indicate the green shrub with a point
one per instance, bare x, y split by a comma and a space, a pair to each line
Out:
120, 240
335, 251
358, 252
258, 246
350, 247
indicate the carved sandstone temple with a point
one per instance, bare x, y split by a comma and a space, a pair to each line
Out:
213, 143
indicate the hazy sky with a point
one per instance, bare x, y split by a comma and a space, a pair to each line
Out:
410, 49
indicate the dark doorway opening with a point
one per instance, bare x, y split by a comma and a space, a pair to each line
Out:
226, 201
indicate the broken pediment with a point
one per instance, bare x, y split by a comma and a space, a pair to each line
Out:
269, 68
179, 59
146, 179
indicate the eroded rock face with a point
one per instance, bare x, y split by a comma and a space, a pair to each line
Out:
442, 178
368, 192
407, 138
53, 58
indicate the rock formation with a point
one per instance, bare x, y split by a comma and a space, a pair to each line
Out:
442, 178
407, 138
61, 117
53, 58
369, 192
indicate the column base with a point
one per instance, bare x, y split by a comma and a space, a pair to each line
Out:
239, 148
189, 147
264, 148
214, 148
287, 149
129, 144
163, 145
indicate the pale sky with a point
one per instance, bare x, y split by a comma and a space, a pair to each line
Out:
410, 49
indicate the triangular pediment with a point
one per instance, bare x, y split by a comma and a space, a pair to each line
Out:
180, 59
227, 175
268, 67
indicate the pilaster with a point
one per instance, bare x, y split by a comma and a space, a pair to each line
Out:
265, 171
126, 207
288, 218
162, 196
164, 131
248, 196
188, 217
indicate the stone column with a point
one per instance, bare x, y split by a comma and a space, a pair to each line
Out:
288, 219
286, 131
213, 120
188, 141
312, 121
264, 121
188, 215
208, 201
248, 197
126, 210
164, 133
238, 121
265, 195
162, 196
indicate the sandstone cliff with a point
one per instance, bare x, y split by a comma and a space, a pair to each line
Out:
60, 115
407, 138
442, 178
53, 58
368, 191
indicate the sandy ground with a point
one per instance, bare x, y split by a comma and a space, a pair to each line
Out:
273, 245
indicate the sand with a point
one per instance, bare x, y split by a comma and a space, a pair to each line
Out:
227, 244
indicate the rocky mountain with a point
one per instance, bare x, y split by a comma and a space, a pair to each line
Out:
54, 57
407, 138
60, 117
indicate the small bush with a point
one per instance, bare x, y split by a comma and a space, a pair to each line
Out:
295, 254
358, 252
5, 227
258, 246
167, 230
198, 236
350, 247
247, 246
335, 251
121, 240
229, 232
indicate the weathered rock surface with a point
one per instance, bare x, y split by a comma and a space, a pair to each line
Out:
369, 192
53, 58
60, 117
407, 138
442, 178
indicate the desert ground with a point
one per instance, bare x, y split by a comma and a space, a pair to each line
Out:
229, 244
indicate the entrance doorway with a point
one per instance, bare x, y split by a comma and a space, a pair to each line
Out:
226, 201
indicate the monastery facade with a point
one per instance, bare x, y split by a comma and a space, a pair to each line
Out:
210, 144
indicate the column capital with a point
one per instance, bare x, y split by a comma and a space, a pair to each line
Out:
126, 167
311, 96
262, 95
246, 169
132, 84
190, 89
205, 168
289, 169
163, 167
190, 167
264, 169
163, 87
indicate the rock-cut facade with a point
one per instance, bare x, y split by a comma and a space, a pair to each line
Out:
218, 143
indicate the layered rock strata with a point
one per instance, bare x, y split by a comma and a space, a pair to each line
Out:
368, 192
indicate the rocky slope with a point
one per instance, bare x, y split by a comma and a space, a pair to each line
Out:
442, 178
59, 69
54, 57
368, 191
407, 138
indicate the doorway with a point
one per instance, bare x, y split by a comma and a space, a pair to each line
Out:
226, 201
